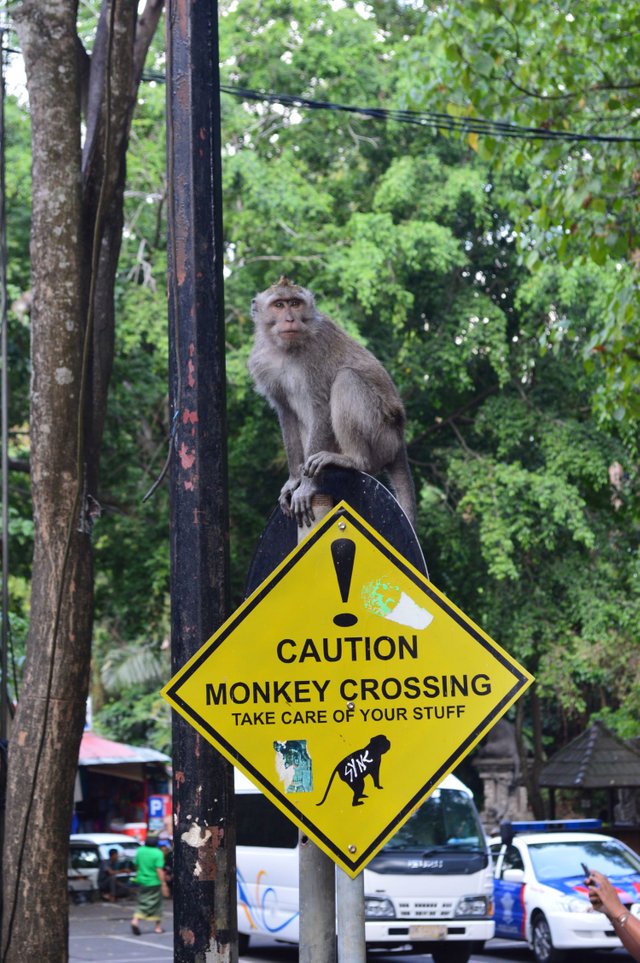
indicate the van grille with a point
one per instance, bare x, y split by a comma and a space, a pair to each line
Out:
422, 909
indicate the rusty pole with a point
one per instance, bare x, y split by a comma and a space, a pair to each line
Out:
204, 890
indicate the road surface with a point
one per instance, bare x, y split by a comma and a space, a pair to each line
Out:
100, 933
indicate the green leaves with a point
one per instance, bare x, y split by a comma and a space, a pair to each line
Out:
496, 280
527, 490
498, 63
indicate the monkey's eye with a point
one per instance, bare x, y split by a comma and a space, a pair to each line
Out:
295, 302
278, 304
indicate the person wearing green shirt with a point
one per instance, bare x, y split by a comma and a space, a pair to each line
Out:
152, 883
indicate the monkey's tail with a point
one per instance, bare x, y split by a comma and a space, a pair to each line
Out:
326, 792
402, 483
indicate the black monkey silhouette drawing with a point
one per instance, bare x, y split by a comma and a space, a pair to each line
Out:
356, 766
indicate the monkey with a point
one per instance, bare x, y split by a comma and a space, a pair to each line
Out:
354, 767
336, 403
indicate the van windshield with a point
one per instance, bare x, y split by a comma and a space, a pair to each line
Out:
446, 821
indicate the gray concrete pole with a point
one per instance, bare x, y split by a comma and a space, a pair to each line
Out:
352, 946
317, 885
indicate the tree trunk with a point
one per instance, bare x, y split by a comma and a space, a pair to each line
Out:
75, 238
531, 768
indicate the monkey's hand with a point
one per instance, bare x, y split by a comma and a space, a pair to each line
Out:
286, 494
301, 502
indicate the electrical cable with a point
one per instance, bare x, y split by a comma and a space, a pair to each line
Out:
4, 396
425, 118
174, 294
435, 119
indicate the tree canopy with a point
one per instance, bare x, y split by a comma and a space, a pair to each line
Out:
553, 68
483, 272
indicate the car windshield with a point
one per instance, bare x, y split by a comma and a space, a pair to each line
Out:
83, 857
553, 860
446, 820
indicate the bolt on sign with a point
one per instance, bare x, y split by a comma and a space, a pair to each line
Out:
346, 687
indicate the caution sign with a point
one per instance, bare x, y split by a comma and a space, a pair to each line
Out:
346, 687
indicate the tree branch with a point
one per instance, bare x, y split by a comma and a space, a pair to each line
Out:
145, 30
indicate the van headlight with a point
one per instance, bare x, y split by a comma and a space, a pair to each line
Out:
472, 906
378, 909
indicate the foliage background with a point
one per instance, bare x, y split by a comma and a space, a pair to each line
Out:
482, 273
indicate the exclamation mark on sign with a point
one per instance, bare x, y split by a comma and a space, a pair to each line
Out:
343, 551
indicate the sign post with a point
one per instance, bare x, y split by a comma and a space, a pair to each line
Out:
316, 871
352, 944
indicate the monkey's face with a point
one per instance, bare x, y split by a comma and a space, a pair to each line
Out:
287, 320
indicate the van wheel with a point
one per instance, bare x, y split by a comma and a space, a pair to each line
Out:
452, 953
243, 943
542, 944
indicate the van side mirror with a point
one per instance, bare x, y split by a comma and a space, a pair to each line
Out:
513, 875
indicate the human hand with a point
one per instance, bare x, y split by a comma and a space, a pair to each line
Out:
602, 894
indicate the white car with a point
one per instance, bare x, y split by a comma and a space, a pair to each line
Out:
87, 851
539, 886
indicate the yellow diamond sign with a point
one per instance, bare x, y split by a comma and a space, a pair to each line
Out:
346, 687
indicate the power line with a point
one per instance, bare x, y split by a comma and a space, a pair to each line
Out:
436, 120
426, 118
4, 404
433, 119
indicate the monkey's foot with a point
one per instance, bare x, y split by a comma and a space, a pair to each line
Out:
286, 494
326, 459
301, 503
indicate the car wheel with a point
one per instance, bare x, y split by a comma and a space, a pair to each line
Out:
243, 943
543, 948
452, 953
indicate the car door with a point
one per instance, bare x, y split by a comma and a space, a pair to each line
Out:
509, 895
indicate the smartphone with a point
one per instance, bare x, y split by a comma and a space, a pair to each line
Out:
585, 870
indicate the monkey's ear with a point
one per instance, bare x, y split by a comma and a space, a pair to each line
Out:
253, 307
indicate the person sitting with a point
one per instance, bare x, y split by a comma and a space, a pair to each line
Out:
111, 882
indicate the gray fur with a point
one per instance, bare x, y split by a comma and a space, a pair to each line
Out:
337, 405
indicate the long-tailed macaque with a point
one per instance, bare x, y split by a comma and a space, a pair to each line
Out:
336, 404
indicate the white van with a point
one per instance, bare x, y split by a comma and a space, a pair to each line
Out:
430, 885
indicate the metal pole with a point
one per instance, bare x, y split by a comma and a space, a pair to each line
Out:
204, 891
352, 947
317, 882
